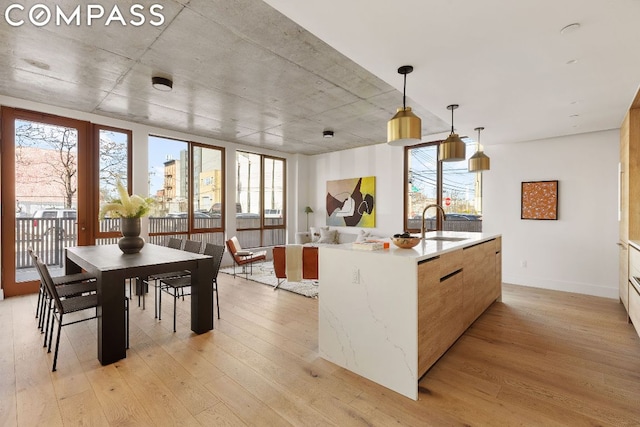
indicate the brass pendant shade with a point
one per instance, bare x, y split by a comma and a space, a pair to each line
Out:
452, 149
404, 128
479, 161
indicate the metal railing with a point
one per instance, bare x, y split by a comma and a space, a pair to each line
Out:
50, 236
472, 225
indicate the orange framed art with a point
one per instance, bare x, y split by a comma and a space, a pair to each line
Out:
539, 200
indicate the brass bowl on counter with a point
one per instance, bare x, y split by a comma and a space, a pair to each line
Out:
405, 242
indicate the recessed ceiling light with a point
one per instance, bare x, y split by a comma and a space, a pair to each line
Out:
570, 28
327, 134
161, 83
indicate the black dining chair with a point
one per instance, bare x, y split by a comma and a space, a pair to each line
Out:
180, 286
69, 285
173, 243
59, 307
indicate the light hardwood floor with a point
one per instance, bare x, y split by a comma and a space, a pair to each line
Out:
539, 358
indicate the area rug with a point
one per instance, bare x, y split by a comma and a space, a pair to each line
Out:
263, 273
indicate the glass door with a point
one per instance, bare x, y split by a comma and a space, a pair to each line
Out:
42, 180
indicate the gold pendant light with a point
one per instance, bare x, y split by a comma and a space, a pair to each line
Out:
452, 149
405, 128
479, 161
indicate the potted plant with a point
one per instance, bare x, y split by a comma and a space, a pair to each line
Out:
129, 209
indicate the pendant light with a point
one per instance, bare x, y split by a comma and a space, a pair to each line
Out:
479, 161
405, 128
452, 149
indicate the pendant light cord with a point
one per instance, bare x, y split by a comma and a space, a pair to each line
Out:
452, 120
404, 94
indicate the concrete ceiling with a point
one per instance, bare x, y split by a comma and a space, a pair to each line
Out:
245, 73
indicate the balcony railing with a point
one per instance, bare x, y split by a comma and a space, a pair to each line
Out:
50, 236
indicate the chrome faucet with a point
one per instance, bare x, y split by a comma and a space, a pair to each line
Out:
434, 205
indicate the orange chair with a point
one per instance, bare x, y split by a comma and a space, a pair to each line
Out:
309, 263
243, 257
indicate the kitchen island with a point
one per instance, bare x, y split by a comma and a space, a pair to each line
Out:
388, 315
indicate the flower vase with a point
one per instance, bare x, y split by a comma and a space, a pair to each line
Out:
131, 242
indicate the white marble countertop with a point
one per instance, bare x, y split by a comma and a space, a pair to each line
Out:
428, 248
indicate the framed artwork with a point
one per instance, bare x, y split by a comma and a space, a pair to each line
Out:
539, 200
351, 202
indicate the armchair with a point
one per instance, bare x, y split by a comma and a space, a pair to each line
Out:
243, 257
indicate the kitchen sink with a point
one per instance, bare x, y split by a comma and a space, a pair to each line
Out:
446, 239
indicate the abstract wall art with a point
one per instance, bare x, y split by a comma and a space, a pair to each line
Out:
539, 200
351, 202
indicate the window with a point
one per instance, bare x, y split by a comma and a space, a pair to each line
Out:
113, 164
448, 184
260, 200
186, 180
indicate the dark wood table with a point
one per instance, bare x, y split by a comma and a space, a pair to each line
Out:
112, 268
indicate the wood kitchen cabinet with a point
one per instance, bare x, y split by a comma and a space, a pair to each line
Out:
454, 289
482, 281
440, 307
629, 193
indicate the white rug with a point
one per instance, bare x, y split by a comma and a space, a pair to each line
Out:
263, 273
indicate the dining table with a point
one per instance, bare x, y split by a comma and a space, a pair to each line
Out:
113, 268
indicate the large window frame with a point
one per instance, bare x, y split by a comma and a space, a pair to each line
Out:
81, 228
113, 233
270, 230
195, 228
412, 223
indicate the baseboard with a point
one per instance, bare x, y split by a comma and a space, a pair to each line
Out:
564, 286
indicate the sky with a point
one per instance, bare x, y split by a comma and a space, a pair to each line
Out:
161, 150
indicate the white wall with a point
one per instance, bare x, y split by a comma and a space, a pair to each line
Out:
578, 252
382, 161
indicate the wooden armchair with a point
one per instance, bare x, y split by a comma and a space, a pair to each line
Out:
243, 257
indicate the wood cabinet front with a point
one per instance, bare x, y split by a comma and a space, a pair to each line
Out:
481, 286
453, 290
440, 320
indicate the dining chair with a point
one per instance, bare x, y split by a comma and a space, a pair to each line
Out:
142, 284
59, 307
68, 285
174, 243
215, 251
180, 286
193, 246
